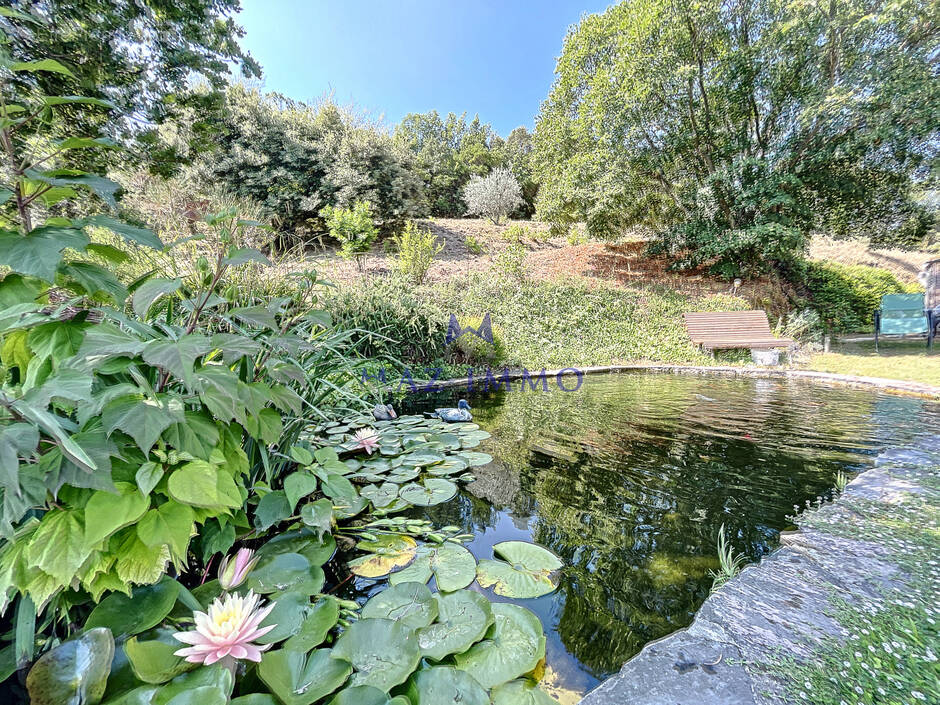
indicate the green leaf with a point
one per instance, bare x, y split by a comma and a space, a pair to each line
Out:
90, 279
384, 653
16, 289
463, 619
433, 490
380, 495
318, 516
129, 615
139, 563
147, 477
107, 340
444, 685
169, 524
147, 293
107, 513
409, 603
39, 252
287, 617
453, 567
202, 484
273, 508
528, 570
259, 316
48, 65
520, 692
366, 695
318, 623
297, 678
298, 485
241, 255
153, 660
109, 253
386, 553
57, 546
86, 143
177, 356
74, 672
102, 187
58, 340
512, 648
54, 100
143, 419
285, 572
255, 699
198, 435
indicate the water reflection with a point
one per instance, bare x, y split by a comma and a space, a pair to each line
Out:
630, 478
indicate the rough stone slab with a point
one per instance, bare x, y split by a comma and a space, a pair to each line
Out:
777, 607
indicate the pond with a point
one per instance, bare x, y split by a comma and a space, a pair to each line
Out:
629, 478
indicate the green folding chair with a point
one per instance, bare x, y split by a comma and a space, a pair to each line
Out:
900, 314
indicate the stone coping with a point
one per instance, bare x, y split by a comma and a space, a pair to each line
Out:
893, 386
780, 605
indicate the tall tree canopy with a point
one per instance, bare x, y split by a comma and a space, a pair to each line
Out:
733, 128
140, 55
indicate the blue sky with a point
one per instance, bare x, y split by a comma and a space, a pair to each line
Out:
393, 57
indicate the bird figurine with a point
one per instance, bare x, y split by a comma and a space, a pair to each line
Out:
452, 415
383, 412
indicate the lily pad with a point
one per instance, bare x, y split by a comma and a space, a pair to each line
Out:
474, 458
298, 678
409, 603
284, 572
380, 495
528, 571
366, 695
463, 619
321, 619
387, 553
451, 466
145, 609
401, 475
444, 685
302, 541
452, 565
513, 647
433, 490
422, 459
152, 658
73, 673
383, 652
520, 692
290, 610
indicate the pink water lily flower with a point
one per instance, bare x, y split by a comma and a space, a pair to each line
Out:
227, 630
233, 573
367, 439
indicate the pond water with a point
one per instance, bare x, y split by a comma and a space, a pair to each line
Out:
629, 478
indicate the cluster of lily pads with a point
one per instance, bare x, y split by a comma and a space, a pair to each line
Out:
406, 645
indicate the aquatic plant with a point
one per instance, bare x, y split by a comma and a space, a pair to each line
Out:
227, 630
729, 562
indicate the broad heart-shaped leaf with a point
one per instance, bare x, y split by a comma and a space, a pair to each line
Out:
322, 618
177, 356
106, 512
380, 495
474, 458
73, 673
143, 419
207, 685
290, 611
152, 659
147, 606
170, 524
203, 484
463, 618
520, 692
452, 565
366, 695
272, 509
531, 571
444, 685
39, 252
147, 293
386, 553
103, 188
57, 547
92, 280
304, 541
318, 516
298, 678
409, 603
513, 647
131, 233
298, 485
255, 699
283, 572
383, 652
433, 490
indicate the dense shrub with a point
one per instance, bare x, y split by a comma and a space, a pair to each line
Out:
846, 296
494, 196
511, 261
352, 227
474, 350
417, 248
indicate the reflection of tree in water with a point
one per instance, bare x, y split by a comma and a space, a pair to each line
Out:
631, 478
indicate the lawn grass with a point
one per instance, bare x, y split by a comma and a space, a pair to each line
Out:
906, 360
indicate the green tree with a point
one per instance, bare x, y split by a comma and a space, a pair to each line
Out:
140, 56
733, 129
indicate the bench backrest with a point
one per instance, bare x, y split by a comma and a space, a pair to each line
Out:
722, 324
903, 314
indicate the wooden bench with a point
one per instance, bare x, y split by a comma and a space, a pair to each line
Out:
732, 329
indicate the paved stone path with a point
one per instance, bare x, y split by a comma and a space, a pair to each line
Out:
777, 606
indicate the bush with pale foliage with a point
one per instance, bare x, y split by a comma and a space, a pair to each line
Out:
494, 196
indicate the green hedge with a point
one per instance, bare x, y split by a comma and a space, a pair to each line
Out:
847, 296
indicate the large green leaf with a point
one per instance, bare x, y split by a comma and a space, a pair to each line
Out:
153, 659
48, 65
444, 685
142, 418
147, 606
57, 547
386, 553
527, 571
287, 617
409, 603
321, 619
281, 572
298, 678
380, 495
131, 233
366, 695
463, 619
202, 484
303, 541
169, 524
107, 340
177, 356
383, 652
512, 648
298, 485
433, 490
73, 673
39, 252
92, 280
104, 188
208, 685
107, 512
318, 516
452, 565
272, 509
520, 692
147, 293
